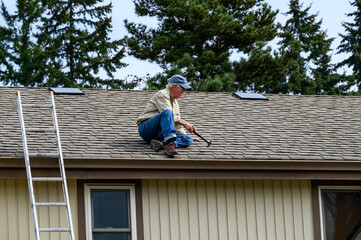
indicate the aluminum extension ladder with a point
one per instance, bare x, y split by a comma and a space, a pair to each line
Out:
31, 179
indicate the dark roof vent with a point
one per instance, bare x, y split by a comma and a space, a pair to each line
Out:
66, 91
250, 96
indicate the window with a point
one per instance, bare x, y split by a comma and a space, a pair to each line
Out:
250, 96
110, 212
340, 209
66, 91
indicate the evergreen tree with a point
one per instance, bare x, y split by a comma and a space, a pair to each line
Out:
351, 43
307, 49
262, 71
75, 43
59, 43
196, 39
20, 63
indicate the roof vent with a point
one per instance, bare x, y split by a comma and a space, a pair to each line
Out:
66, 91
250, 96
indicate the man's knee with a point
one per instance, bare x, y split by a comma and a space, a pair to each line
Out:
166, 112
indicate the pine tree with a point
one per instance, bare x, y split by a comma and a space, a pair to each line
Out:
262, 71
196, 39
307, 49
59, 43
20, 63
351, 43
76, 46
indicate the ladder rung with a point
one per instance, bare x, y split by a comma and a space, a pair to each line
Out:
40, 129
54, 230
47, 155
50, 204
37, 105
53, 153
46, 179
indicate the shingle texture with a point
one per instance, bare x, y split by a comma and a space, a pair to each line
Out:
101, 124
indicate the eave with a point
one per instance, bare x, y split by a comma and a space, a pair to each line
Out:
186, 169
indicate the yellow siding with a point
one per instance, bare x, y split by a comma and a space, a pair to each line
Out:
16, 220
227, 209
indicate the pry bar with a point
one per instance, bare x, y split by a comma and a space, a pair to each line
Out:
209, 142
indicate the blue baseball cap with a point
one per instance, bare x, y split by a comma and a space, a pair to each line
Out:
180, 80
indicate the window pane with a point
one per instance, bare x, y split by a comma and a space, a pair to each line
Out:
110, 208
341, 212
110, 236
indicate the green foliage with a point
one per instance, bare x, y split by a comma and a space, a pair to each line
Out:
217, 45
20, 61
74, 36
158, 81
351, 43
196, 39
262, 70
306, 48
60, 43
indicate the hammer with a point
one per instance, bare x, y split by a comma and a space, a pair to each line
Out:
209, 142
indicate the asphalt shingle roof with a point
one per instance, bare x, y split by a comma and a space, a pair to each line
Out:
101, 125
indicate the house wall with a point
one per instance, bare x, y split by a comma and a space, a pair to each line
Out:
16, 221
227, 209
180, 209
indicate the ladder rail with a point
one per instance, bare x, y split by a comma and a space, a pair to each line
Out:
61, 166
30, 179
28, 168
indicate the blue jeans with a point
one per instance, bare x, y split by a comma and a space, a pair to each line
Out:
161, 127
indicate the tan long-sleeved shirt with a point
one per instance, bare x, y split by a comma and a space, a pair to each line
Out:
159, 102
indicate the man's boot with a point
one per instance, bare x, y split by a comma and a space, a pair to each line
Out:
170, 149
156, 145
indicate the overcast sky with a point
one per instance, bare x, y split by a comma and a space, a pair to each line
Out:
333, 12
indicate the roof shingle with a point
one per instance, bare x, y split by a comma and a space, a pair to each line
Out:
102, 124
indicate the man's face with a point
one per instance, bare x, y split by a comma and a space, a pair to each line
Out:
177, 91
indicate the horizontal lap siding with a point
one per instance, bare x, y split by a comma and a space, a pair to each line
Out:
16, 220
227, 209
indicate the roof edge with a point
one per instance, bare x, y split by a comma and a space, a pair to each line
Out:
188, 164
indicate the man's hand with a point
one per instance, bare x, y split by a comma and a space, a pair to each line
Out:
190, 127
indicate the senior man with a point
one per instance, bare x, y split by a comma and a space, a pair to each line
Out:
160, 123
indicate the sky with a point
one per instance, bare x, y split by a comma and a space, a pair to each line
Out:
332, 12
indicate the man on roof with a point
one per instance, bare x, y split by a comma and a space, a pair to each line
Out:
160, 123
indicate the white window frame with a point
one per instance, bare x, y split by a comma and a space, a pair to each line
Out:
320, 188
88, 211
